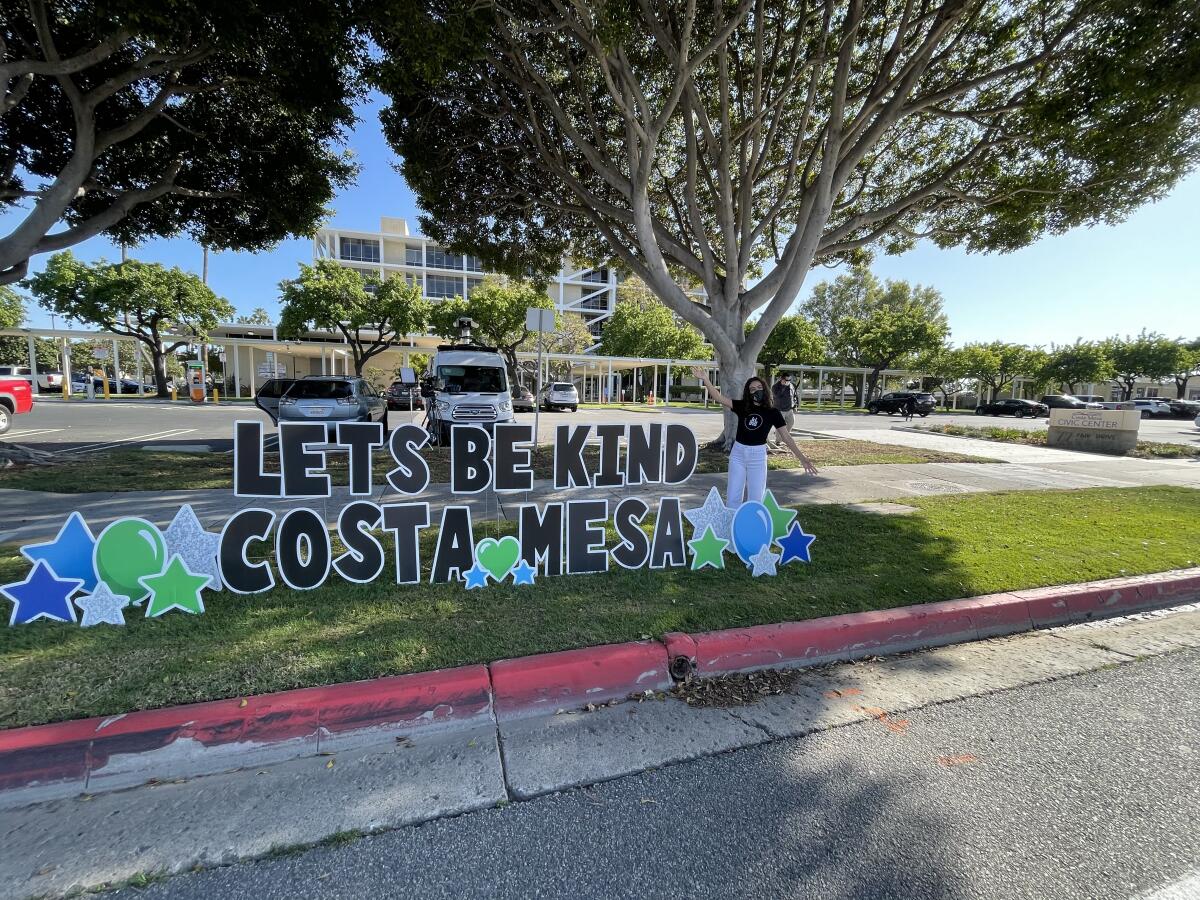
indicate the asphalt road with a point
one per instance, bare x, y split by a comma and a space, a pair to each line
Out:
1078, 788
94, 426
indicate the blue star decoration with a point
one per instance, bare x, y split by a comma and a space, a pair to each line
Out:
475, 577
69, 555
795, 545
42, 595
524, 573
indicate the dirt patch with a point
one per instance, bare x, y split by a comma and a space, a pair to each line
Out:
737, 689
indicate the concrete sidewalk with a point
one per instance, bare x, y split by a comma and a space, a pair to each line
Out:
36, 515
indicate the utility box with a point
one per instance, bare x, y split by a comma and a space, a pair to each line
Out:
197, 389
1112, 431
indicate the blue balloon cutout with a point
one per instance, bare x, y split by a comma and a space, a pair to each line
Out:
752, 529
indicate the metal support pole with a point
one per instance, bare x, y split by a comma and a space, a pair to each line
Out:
140, 376
66, 369
537, 397
865, 398
33, 369
820, 386
654, 389
667, 392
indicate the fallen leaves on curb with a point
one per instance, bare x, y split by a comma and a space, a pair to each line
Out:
844, 692
896, 726
737, 689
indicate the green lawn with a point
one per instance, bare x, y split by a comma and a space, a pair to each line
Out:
140, 470
952, 547
1037, 438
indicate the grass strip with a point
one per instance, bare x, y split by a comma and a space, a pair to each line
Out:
1037, 438
952, 547
139, 470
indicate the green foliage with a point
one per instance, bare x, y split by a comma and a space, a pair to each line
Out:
370, 314
258, 316
145, 301
1084, 362
1188, 367
12, 308
1150, 355
216, 119
995, 364
641, 326
876, 325
794, 341
946, 368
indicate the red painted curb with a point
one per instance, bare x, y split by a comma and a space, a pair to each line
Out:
84, 748
542, 684
68, 754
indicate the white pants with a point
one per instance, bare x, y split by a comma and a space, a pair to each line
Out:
747, 474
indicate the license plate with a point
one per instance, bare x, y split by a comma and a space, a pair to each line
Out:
316, 411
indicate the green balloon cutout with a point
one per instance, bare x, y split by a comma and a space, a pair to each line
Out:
127, 550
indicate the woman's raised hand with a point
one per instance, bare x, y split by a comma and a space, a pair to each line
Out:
697, 372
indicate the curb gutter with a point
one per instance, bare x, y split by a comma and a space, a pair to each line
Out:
43, 762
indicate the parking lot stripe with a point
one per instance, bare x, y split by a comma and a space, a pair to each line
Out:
135, 439
31, 432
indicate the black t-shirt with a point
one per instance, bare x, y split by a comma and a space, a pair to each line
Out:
755, 423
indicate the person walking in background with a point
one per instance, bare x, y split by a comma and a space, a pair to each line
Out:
783, 395
748, 457
910, 407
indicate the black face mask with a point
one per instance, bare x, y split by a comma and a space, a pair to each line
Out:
757, 396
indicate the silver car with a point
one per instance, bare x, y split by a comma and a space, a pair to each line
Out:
560, 395
331, 399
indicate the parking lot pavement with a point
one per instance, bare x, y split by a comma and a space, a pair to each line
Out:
93, 426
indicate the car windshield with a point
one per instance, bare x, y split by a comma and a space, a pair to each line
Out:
320, 390
472, 379
562, 386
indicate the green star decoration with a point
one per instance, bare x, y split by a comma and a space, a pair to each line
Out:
176, 588
708, 550
781, 519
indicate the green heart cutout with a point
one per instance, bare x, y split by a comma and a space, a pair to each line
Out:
498, 556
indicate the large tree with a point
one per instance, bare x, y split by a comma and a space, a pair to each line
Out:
12, 308
1149, 356
876, 325
1084, 362
134, 119
165, 309
714, 143
996, 365
1187, 368
794, 341
497, 309
945, 368
371, 315
258, 316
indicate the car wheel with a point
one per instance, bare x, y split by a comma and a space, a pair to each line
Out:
922, 415
5, 419
979, 410
1020, 414
1145, 413
872, 409
574, 409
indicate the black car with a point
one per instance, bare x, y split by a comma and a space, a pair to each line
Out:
404, 396
1184, 409
1018, 408
895, 402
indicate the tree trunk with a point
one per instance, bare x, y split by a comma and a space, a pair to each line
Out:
1181, 387
872, 383
159, 359
734, 375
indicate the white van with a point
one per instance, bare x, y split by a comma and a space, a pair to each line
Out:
466, 385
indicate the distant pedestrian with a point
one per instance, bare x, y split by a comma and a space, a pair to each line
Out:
783, 396
910, 407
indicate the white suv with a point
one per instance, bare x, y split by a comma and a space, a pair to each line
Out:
560, 395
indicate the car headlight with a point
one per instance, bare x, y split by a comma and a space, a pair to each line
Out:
443, 405
505, 406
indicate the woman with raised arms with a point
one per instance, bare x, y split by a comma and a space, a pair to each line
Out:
748, 458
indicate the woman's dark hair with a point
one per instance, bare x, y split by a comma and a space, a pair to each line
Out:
747, 400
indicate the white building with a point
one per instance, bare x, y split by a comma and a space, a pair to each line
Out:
394, 252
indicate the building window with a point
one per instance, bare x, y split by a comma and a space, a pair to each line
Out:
1194, 395
437, 258
472, 284
443, 286
1141, 393
412, 256
1152, 392
599, 276
360, 250
473, 263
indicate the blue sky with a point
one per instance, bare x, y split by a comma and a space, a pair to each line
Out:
1089, 283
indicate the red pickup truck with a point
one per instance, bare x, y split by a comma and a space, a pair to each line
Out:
16, 397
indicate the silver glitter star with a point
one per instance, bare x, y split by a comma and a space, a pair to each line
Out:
763, 562
713, 514
195, 546
101, 606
